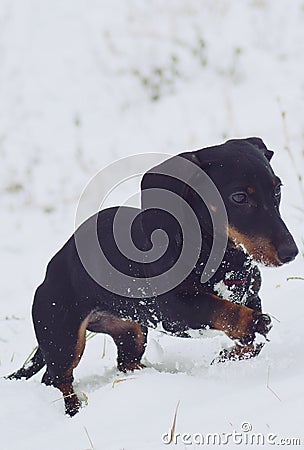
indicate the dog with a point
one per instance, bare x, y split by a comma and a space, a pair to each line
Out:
70, 300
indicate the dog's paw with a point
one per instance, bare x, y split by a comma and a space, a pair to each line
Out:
130, 367
74, 402
260, 324
238, 352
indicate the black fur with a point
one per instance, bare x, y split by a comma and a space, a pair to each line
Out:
68, 295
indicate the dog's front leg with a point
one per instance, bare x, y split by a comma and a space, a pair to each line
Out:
246, 346
239, 322
237, 351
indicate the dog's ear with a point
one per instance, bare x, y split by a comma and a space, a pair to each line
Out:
258, 143
165, 195
171, 175
170, 224
166, 188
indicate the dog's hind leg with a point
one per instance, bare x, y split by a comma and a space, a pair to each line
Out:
62, 358
131, 343
130, 338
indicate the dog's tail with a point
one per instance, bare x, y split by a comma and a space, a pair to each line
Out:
30, 367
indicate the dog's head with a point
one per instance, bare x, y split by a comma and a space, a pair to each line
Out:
250, 191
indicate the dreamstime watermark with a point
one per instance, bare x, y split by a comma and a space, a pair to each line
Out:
157, 195
244, 436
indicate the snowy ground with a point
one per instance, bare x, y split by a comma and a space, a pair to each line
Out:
84, 83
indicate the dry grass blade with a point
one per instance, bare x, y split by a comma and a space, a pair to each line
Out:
274, 317
90, 335
104, 347
119, 380
288, 149
86, 398
90, 440
30, 355
172, 431
268, 387
65, 396
294, 278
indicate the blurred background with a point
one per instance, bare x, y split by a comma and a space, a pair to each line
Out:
84, 83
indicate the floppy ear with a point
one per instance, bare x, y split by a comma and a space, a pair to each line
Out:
165, 187
258, 143
170, 223
180, 175
158, 177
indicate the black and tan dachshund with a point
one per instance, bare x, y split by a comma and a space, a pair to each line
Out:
70, 301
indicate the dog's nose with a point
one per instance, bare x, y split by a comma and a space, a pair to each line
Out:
287, 253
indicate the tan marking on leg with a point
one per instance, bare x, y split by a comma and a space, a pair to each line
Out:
125, 333
71, 401
139, 336
114, 326
237, 321
233, 319
258, 247
80, 345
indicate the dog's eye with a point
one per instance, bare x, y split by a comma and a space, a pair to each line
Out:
277, 191
239, 197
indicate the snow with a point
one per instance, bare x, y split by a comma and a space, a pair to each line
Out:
84, 83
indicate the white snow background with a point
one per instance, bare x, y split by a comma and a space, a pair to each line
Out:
83, 83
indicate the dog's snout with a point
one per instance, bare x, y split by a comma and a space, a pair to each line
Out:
287, 253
